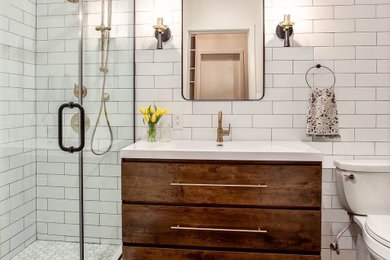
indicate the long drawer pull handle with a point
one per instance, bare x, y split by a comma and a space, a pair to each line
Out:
220, 185
178, 227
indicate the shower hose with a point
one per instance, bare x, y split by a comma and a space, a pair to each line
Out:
103, 106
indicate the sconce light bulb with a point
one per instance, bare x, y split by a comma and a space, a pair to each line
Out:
160, 27
287, 18
285, 29
160, 21
286, 24
162, 32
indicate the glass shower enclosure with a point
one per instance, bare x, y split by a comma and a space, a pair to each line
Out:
66, 110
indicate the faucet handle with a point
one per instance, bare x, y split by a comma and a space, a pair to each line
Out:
227, 132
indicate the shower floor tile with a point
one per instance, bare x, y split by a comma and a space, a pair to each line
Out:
42, 250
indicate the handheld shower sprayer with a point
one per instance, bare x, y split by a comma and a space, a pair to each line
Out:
105, 50
104, 29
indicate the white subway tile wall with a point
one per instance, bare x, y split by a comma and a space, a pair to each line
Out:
17, 126
57, 70
352, 37
38, 68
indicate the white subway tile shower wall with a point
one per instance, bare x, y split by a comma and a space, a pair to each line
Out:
17, 127
351, 37
57, 70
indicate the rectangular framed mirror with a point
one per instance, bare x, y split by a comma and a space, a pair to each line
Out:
223, 49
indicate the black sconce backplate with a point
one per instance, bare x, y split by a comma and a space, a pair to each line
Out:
165, 36
281, 33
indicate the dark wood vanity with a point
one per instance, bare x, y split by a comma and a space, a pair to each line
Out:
178, 209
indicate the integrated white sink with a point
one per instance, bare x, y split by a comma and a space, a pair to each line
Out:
233, 150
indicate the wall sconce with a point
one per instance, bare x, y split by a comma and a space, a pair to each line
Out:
162, 33
285, 29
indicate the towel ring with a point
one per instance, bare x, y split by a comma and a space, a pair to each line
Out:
318, 66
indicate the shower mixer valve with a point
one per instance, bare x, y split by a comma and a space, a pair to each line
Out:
76, 90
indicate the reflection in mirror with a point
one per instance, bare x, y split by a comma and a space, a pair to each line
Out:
223, 49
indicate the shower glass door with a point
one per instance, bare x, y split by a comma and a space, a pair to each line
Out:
39, 182
108, 76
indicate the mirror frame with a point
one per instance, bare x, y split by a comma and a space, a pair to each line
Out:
182, 63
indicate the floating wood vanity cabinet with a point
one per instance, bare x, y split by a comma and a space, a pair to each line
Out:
221, 209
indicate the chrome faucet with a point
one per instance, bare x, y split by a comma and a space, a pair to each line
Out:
220, 132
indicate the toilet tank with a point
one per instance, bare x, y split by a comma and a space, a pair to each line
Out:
363, 186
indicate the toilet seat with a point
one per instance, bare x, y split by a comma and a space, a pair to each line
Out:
376, 234
378, 227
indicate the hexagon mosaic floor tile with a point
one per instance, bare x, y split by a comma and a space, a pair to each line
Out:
45, 250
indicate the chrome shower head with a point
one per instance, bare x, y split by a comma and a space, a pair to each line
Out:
73, 1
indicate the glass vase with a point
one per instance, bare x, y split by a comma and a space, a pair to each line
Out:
152, 132
164, 133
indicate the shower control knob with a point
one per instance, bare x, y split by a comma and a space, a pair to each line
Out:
76, 91
74, 122
99, 28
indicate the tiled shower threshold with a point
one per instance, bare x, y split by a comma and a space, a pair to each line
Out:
45, 250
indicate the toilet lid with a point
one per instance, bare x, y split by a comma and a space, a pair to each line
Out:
378, 227
364, 165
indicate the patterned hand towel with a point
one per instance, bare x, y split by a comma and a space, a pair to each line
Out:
322, 116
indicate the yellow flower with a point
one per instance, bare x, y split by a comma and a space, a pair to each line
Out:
158, 112
164, 112
152, 114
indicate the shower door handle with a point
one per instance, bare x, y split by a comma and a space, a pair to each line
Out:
71, 149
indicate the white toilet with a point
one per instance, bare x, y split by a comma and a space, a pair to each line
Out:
364, 191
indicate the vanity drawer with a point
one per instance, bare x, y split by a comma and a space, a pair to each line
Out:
143, 253
281, 230
228, 184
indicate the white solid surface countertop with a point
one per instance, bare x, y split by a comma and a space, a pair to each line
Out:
231, 150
